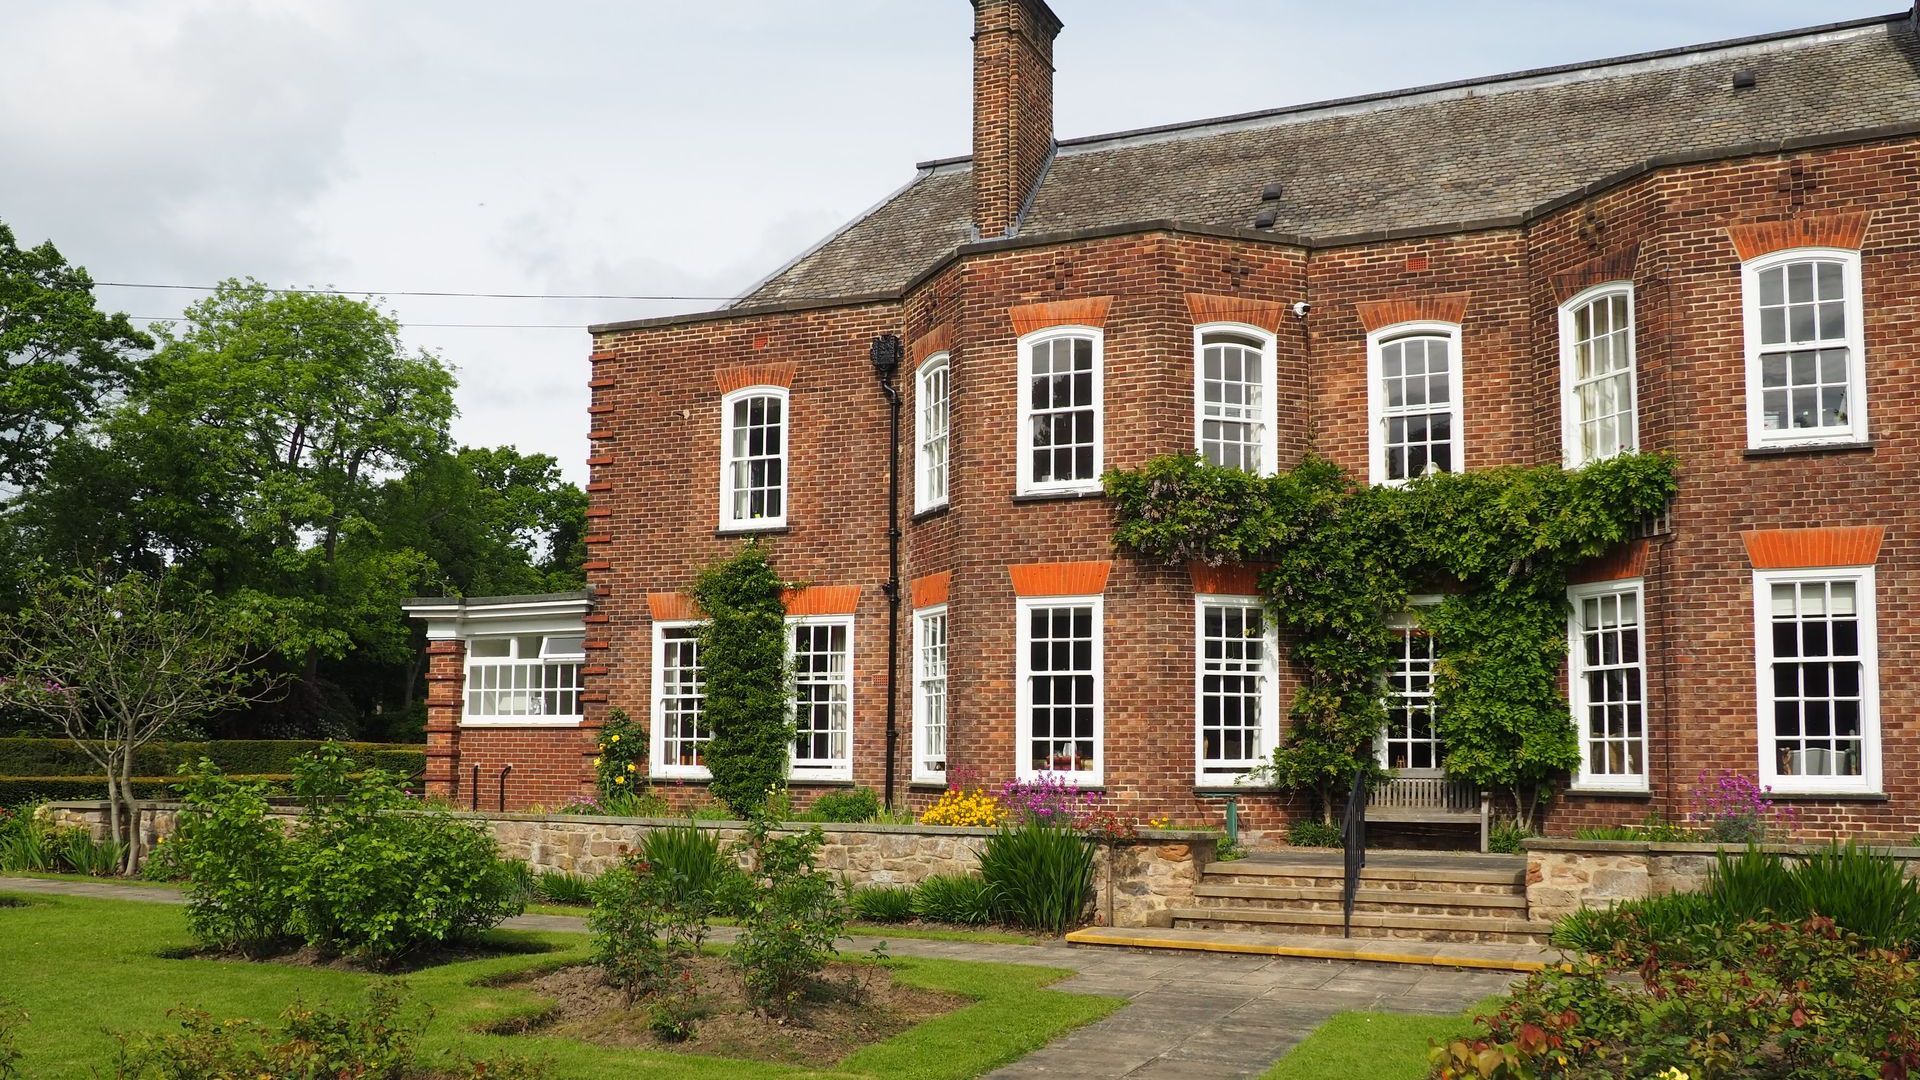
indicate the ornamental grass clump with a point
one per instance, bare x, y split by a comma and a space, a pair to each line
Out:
690, 857
962, 899
1042, 875
882, 903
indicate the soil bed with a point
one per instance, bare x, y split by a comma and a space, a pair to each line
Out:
419, 960
829, 1025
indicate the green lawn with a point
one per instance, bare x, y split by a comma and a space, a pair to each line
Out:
84, 967
1378, 1046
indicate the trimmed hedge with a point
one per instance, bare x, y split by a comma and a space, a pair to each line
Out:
38, 758
17, 790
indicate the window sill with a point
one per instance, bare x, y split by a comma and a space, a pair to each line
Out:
753, 530
1070, 494
679, 778
922, 784
1847, 446
930, 512
1611, 792
820, 781
1826, 796
1212, 788
522, 722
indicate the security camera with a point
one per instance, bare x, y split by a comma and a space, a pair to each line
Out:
1300, 309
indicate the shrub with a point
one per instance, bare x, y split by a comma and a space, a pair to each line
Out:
1732, 809
1048, 800
1314, 833
82, 854
27, 843
1765, 1000
236, 860
882, 903
1653, 828
628, 912
1868, 894
1041, 875
858, 805
967, 805
160, 760
376, 884
622, 747
789, 918
743, 659
1504, 836
964, 899
561, 887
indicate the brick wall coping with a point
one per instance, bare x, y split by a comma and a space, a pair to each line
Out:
1154, 835
1647, 847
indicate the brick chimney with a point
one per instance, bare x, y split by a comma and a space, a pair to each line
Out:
1012, 107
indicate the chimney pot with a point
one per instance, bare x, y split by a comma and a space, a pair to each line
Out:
1012, 108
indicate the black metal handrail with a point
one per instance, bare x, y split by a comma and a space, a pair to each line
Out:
1353, 839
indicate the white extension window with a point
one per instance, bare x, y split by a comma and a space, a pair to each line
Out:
1414, 401
1819, 680
821, 652
1233, 372
1235, 687
524, 679
1598, 395
931, 424
1060, 413
1806, 358
753, 458
930, 694
1607, 684
1059, 725
678, 742
1410, 746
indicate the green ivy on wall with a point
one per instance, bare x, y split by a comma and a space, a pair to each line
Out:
1344, 556
743, 659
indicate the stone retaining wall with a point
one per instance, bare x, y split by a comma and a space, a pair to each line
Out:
1148, 875
1564, 876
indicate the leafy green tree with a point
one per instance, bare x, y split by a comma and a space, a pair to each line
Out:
60, 356
495, 522
743, 657
117, 664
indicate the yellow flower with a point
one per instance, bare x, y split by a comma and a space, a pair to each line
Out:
631, 767
596, 763
615, 738
619, 779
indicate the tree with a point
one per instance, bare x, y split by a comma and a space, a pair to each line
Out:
117, 664
62, 356
743, 659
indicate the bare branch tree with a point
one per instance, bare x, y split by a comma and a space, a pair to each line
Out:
117, 664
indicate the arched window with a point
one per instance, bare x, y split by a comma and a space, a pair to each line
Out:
1414, 399
931, 423
753, 458
1233, 397
1060, 414
1599, 397
1806, 369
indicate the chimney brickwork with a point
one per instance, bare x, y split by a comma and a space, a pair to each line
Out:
1012, 107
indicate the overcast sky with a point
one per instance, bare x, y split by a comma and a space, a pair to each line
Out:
647, 147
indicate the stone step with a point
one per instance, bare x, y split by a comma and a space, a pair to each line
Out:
1327, 898
1376, 924
1465, 874
1488, 956
1385, 880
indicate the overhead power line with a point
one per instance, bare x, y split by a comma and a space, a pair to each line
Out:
417, 292
465, 325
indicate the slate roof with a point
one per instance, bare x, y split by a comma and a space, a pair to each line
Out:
1454, 154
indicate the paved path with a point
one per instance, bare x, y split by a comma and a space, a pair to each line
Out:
1190, 1016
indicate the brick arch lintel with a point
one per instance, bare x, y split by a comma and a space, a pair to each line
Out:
1087, 311
932, 590
1800, 549
1616, 265
1626, 561
1240, 580
932, 343
1435, 307
741, 376
1060, 578
1839, 230
1210, 308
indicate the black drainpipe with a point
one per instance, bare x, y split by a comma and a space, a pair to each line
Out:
886, 355
503, 787
473, 794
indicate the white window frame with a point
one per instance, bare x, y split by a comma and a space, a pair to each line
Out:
1856, 430
924, 497
729, 523
1026, 485
1868, 782
1571, 420
538, 665
1406, 619
1377, 412
1585, 779
834, 769
1023, 674
921, 703
657, 763
1265, 419
1269, 694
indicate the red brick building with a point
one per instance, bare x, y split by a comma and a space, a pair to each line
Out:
1712, 251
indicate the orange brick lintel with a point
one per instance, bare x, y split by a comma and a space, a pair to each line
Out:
1438, 307
932, 590
671, 607
741, 376
1757, 238
1629, 561
935, 341
1265, 314
1796, 549
1089, 311
1225, 580
822, 600
1060, 578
